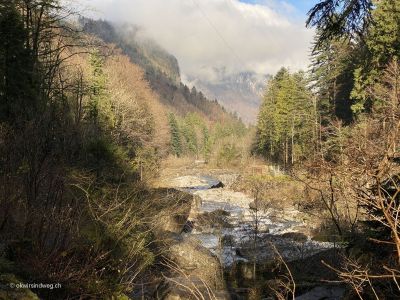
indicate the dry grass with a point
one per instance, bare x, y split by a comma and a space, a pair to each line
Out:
280, 191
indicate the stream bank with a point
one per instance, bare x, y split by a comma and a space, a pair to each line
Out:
224, 223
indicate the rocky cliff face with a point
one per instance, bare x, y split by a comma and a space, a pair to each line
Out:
240, 92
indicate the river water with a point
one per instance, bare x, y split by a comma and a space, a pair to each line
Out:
234, 239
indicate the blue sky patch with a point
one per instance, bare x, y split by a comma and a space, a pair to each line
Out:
301, 7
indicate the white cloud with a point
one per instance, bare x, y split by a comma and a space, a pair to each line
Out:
226, 34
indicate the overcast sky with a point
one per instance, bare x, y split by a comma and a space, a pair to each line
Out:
256, 35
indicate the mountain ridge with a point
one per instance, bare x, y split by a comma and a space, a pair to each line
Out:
241, 92
161, 69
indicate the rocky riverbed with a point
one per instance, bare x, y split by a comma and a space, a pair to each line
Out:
227, 225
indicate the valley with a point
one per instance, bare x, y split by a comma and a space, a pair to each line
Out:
127, 174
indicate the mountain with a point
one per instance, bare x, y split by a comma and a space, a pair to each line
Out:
160, 67
144, 52
241, 92
152, 55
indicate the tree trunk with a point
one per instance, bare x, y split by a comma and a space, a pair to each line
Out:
292, 143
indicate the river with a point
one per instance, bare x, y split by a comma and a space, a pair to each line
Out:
225, 224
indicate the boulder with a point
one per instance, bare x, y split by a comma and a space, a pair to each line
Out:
229, 180
171, 210
189, 182
217, 185
193, 259
211, 221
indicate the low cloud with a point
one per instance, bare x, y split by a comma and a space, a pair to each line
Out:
210, 35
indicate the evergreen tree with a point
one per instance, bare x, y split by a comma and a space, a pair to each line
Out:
284, 127
381, 45
340, 18
19, 82
332, 71
97, 88
383, 40
176, 145
206, 143
189, 133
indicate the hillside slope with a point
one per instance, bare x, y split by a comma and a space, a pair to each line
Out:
161, 70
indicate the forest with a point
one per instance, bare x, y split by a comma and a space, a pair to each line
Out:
337, 128
94, 121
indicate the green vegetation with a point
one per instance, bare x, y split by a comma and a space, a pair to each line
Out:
82, 135
83, 131
344, 148
161, 70
380, 47
286, 119
74, 155
176, 144
215, 143
145, 52
332, 72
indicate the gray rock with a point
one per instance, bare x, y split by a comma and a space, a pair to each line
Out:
192, 257
218, 185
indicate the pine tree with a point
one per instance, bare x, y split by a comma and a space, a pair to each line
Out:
382, 44
340, 18
97, 88
176, 145
206, 144
285, 121
189, 133
332, 71
19, 82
